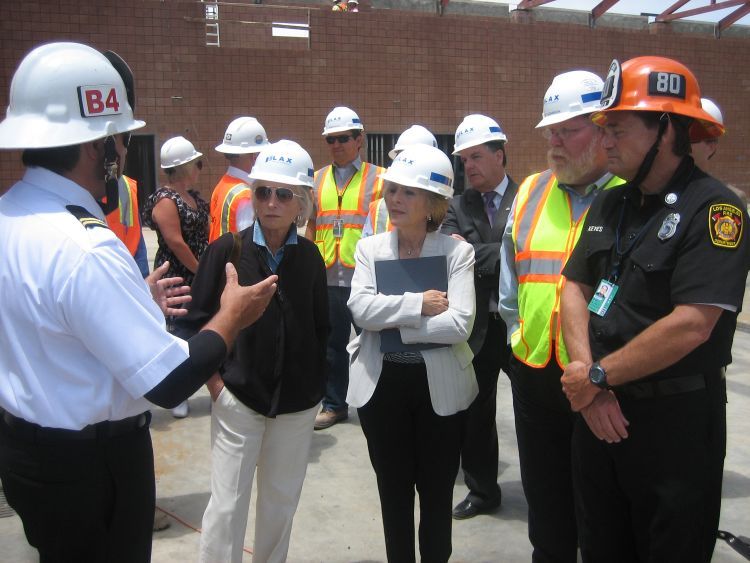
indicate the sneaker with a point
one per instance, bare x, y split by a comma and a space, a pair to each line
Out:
181, 410
161, 522
328, 417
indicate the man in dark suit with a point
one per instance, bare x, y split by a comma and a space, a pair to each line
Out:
478, 216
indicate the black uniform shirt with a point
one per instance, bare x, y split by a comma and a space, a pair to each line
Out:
686, 245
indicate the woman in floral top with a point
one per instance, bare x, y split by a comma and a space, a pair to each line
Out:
177, 213
180, 218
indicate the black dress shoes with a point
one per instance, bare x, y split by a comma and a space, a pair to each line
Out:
468, 509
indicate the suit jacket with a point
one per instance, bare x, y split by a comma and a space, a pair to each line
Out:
466, 217
450, 373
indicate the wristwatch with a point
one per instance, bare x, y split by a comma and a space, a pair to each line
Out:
598, 376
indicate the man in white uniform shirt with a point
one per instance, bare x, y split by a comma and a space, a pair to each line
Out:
75, 452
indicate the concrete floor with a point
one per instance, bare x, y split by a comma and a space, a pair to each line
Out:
338, 519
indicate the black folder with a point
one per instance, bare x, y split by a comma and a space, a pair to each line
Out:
412, 275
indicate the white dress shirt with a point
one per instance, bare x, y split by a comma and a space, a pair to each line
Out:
81, 339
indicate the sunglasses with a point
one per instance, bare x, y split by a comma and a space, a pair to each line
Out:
263, 193
340, 138
199, 165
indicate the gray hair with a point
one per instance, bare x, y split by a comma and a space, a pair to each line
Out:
304, 195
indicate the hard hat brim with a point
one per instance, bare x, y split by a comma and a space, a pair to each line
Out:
556, 118
193, 157
232, 149
278, 178
33, 131
340, 130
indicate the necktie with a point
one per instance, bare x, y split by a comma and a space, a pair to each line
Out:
489, 206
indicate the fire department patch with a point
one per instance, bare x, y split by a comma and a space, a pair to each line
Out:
725, 225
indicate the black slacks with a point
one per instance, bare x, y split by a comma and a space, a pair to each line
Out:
479, 449
655, 496
411, 446
544, 429
82, 500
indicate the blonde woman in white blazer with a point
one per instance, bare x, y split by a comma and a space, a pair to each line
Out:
411, 403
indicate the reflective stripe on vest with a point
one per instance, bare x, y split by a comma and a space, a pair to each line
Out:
227, 196
124, 220
544, 235
381, 221
350, 205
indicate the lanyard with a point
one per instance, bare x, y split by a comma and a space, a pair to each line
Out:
340, 193
620, 253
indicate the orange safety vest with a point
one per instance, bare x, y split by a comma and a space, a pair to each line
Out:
125, 221
349, 206
379, 218
228, 195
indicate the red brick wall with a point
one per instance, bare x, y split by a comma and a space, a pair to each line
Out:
394, 68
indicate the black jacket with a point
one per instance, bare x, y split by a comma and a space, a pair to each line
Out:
278, 364
466, 217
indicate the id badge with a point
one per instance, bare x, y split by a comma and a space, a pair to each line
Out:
338, 228
602, 299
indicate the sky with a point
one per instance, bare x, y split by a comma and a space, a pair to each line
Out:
644, 6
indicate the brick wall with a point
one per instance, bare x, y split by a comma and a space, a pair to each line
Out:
394, 68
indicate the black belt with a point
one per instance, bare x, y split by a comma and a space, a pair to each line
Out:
664, 387
32, 432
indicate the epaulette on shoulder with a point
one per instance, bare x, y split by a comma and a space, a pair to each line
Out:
87, 219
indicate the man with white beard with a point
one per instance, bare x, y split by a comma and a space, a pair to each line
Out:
543, 227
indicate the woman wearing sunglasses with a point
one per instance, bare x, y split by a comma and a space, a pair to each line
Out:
180, 218
268, 392
410, 401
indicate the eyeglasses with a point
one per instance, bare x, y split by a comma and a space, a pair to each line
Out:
199, 165
263, 193
340, 138
563, 133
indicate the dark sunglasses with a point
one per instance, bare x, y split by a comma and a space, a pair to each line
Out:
340, 138
263, 193
199, 165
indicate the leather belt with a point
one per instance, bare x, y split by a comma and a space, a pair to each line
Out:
32, 432
663, 387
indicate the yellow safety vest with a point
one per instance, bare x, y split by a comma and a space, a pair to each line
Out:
544, 235
347, 207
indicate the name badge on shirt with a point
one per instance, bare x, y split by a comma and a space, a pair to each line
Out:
338, 228
603, 298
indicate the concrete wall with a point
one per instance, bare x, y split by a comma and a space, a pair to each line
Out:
393, 67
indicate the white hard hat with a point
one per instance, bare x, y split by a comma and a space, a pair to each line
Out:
285, 162
414, 135
244, 135
177, 151
571, 94
477, 129
65, 94
712, 109
341, 119
423, 167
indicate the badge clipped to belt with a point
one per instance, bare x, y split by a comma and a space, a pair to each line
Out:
338, 228
603, 297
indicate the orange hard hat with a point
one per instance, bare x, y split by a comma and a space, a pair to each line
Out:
656, 84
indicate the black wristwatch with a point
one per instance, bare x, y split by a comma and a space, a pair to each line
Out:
598, 376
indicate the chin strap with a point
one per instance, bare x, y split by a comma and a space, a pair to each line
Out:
648, 160
111, 176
